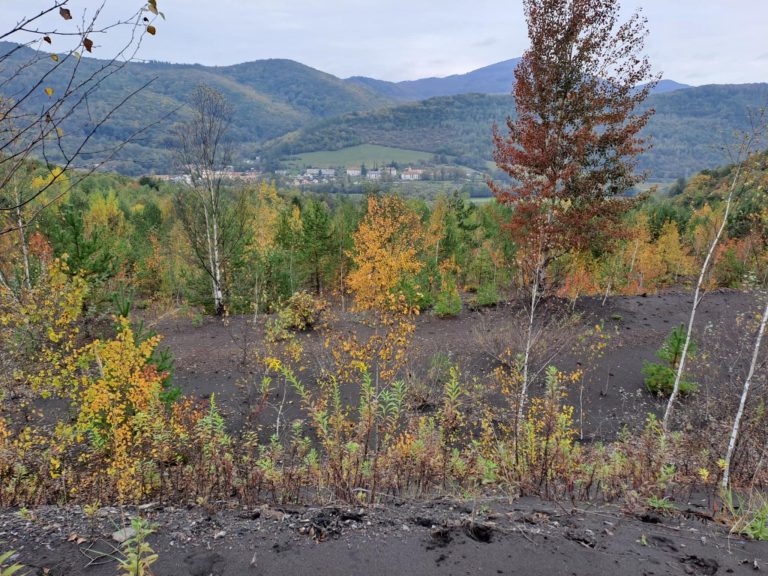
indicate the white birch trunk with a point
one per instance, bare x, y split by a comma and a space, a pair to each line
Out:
211, 265
218, 296
743, 401
528, 345
697, 296
23, 241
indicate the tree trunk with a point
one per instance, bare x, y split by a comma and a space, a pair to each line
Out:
23, 241
211, 235
697, 296
535, 297
256, 297
743, 401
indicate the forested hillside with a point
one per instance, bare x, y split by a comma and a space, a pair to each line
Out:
690, 131
494, 79
269, 98
282, 107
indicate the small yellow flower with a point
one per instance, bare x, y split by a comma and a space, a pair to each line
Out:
273, 364
359, 366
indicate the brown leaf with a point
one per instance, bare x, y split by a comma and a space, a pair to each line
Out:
65, 13
152, 30
152, 6
47, 39
88, 43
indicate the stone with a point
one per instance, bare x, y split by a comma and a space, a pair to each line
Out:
123, 534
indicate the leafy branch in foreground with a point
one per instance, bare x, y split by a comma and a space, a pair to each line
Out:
42, 92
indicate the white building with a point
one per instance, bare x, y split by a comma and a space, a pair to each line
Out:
411, 174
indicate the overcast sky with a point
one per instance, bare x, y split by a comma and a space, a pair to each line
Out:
691, 41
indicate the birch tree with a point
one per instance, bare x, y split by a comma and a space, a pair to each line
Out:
46, 81
742, 154
743, 400
214, 224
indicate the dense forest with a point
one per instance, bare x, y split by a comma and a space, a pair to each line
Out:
124, 235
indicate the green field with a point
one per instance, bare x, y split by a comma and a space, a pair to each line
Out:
368, 154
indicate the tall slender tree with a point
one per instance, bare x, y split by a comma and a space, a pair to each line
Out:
316, 243
213, 220
753, 365
743, 150
571, 148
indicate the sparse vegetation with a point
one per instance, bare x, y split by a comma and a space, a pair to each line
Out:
338, 396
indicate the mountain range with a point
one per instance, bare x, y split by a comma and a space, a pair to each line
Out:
283, 107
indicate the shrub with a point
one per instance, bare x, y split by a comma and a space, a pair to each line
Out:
729, 270
302, 312
448, 302
660, 378
487, 295
415, 296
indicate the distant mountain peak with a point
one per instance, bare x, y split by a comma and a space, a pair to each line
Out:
496, 78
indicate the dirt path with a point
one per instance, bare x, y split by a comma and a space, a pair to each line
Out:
526, 537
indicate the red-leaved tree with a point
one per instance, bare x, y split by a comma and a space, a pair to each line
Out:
571, 149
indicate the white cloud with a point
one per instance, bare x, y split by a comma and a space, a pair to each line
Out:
694, 41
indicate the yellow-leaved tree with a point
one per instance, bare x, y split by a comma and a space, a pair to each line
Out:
121, 410
386, 254
264, 219
386, 251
